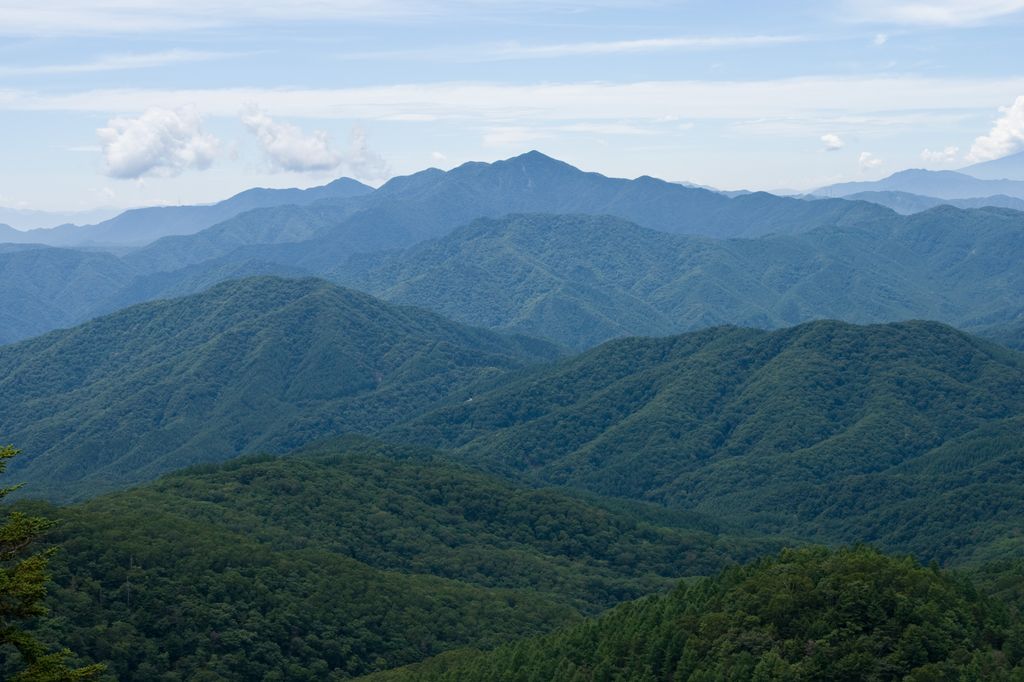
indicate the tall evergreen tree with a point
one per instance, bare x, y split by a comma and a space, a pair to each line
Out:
23, 578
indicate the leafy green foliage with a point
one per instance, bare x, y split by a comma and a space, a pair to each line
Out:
345, 559
810, 614
259, 364
23, 578
582, 280
908, 435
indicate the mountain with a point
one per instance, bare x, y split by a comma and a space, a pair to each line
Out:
432, 203
141, 226
905, 203
581, 280
43, 288
1009, 167
807, 615
27, 219
258, 364
907, 435
941, 184
345, 559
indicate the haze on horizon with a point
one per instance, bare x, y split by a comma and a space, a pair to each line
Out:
147, 103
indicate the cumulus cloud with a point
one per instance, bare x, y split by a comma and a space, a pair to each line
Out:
1006, 136
159, 142
287, 147
947, 155
832, 142
867, 160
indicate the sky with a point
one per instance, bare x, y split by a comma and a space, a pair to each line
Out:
120, 103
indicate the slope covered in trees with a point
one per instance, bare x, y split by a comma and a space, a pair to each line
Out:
262, 363
811, 614
906, 434
581, 280
346, 559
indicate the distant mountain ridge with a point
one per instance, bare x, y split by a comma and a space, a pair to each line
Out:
140, 226
581, 280
1010, 167
906, 203
941, 184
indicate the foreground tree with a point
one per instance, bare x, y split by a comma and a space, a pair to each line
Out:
23, 578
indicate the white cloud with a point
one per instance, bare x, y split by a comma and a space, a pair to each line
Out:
438, 156
881, 39
287, 147
832, 142
159, 142
932, 12
116, 62
362, 163
947, 155
1006, 136
867, 160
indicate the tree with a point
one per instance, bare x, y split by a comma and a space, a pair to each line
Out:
23, 578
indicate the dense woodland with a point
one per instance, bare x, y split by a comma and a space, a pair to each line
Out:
274, 477
807, 615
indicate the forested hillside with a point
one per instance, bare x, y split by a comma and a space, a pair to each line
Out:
256, 364
346, 559
907, 435
807, 615
582, 280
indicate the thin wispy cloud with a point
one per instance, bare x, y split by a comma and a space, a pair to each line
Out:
932, 12
877, 101
511, 51
118, 62
642, 45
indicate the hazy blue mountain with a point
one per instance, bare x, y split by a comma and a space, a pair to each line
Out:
581, 280
42, 288
27, 219
906, 203
1009, 167
141, 226
941, 184
261, 363
432, 203
907, 435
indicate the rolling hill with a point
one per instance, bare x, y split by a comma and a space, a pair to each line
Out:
346, 559
255, 364
1010, 167
806, 615
907, 435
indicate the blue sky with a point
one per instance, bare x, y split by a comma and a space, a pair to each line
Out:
136, 102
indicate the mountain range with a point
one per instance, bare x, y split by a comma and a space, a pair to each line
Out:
942, 184
825, 431
140, 226
260, 363
795, 260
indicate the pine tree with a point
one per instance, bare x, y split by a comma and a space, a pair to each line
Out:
23, 578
